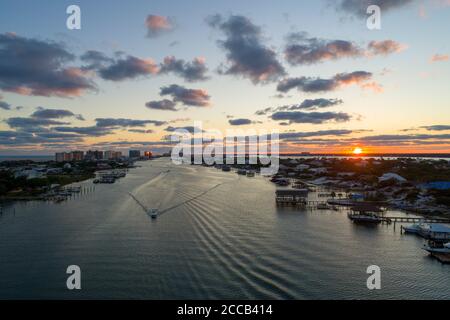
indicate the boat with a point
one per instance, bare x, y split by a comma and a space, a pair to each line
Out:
365, 218
250, 174
436, 247
153, 213
415, 228
365, 214
323, 206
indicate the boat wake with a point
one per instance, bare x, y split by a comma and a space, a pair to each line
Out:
138, 202
191, 199
187, 201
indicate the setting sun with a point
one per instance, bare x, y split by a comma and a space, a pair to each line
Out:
357, 151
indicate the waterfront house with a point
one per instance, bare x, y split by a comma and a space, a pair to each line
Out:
391, 176
436, 231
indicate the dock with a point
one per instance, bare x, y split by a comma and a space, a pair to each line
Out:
291, 197
416, 219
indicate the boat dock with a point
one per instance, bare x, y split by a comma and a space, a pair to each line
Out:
416, 219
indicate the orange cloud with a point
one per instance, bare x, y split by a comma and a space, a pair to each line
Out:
157, 25
439, 58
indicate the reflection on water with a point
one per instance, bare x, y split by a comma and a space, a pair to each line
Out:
220, 236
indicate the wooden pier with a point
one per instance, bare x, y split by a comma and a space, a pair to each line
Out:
297, 203
412, 219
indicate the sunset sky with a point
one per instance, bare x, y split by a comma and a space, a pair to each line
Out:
137, 70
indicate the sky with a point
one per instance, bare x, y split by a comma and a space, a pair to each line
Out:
312, 70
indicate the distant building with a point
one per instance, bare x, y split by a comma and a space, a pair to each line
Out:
112, 155
59, 156
94, 155
134, 153
63, 156
77, 155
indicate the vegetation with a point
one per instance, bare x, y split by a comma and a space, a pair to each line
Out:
11, 186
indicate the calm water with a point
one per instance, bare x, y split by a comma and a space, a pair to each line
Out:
223, 238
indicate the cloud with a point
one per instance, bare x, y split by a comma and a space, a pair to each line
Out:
239, 122
188, 97
301, 50
128, 68
358, 8
398, 137
4, 105
158, 25
308, 104
29, 123
318, 103
384, 47
142, 143
92, 131
141, 131
105, 126
402, 139
121, 122
43, 113
311, 117
165, 104
246, 52
440, 58
95, 59
437, 127
34, 67
308, 84
189, 71
295, 135
22, 138
264, 111
190, 129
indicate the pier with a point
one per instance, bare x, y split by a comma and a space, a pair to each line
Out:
416, 219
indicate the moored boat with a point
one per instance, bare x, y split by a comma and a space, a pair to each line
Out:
437, 247
366, 214
415, 228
